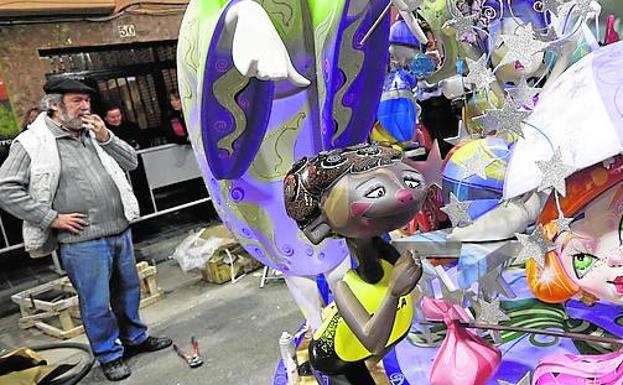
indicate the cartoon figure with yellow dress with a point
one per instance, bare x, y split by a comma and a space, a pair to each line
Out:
359, 193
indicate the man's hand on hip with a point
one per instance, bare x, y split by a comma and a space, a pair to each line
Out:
97, 125
74, 223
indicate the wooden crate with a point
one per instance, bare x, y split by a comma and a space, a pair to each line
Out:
150, 292
56, 316
53, 307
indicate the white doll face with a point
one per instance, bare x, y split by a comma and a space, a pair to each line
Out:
594, 259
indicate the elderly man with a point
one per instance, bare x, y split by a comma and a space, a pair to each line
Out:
64, 178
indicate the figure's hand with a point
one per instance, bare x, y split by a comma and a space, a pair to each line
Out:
97, 126
74, 223
406, 274
258, 50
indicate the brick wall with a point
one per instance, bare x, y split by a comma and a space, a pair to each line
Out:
23, 71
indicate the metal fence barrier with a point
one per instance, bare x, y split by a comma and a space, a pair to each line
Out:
164, 166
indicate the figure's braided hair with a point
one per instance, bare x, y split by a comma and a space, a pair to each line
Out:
308, 179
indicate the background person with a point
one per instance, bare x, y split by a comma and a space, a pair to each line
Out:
121, 127
177, 132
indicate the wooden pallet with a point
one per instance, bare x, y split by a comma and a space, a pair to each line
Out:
57, 316
53, 307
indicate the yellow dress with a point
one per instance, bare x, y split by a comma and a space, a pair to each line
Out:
335, 340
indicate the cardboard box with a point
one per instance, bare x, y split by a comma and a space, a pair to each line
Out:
220, 268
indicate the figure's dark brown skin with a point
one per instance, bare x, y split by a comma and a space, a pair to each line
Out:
359, 193
374, 331
361, 207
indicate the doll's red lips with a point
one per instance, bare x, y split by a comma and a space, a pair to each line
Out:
618, 283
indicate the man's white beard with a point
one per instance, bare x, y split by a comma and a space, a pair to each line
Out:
72, 122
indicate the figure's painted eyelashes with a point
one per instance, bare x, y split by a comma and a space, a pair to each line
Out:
376, 192
583, 263
412, 182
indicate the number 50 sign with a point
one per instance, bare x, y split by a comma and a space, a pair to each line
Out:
127, 30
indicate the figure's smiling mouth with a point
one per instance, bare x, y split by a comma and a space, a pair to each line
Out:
618, 284
398, 213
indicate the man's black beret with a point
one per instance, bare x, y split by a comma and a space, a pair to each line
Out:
65, 86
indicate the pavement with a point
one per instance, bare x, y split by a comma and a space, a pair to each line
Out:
237, 325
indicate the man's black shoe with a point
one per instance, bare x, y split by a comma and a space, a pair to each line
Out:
116, 370
151, 344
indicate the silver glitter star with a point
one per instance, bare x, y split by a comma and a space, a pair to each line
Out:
562, 223
504, 120
479, 74
525, 380
477, 165
493, 284
552, 5
522, 46
554, 172
583, 7
533, 246
523, 94
456, 297
490, 312
462, 24
457, 211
